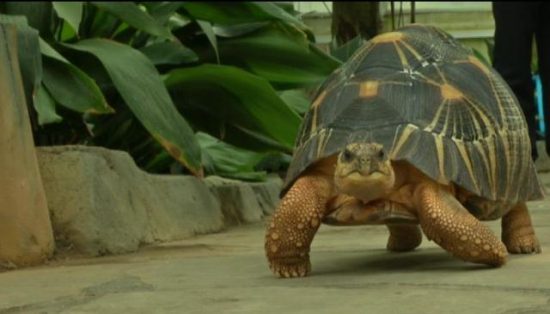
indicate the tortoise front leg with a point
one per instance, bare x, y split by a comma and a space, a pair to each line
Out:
445, 221
294, 224
517, 231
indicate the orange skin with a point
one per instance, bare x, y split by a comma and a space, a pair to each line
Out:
357, 187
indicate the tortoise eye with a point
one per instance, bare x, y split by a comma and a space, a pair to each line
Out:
381, 154
347, 156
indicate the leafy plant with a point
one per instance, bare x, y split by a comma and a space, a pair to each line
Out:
162, 80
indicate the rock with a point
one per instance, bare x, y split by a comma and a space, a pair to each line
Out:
267, 193
102, 203
238, 200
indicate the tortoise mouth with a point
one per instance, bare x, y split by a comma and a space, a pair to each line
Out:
358, 174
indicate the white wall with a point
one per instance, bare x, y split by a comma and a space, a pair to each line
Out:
325, 7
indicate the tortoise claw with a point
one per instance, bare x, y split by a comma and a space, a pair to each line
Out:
518, 233
290, 267
526, 244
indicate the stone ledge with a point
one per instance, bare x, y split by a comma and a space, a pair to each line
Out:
101, 203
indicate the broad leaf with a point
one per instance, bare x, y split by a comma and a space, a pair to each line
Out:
279, 53
70, 86
139, 84
162, 11
45, 106
345, 51
230, 13
131, 14
238, 97
209, 32
229, 161
30, 61
296, 99
38, 14
70, 12
169, 53
238, 30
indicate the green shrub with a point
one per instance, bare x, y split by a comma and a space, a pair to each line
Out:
172, 83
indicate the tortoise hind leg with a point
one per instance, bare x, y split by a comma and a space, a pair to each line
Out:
517, 231
403, 237
444, 220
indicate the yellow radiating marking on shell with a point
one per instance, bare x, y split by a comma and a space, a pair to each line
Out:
388, 37
442, 106
479, 147
443, 78
450, 93
499, 102
446, 125
396, 147
402, 57
412, 50
488, 123
508, 157
475, 61
464, 154
427, 80
315, 108
323, 141
493, 164
440, 157
362, 53
368, 89
274, 236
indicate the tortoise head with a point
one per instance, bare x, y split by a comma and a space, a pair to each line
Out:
363, 170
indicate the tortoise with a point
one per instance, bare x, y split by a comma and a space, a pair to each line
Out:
416, 133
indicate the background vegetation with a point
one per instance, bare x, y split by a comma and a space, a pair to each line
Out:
184, 87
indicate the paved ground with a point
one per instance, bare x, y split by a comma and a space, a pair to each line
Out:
227, 273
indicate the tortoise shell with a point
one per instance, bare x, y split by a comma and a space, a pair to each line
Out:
430, 102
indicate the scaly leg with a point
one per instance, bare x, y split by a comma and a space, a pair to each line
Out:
294, 224
517, 231
403, 237
444, 220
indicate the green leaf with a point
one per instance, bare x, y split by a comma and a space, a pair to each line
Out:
235, 96
139, 84
480, 57
230, 13
162, 11
296, 99
209, 32
73, 88
38, 13
169, 53
48, 51
229, 161
30, 60
45, 106
70, 12
279, 53
238, 30
69, 85
345, 51
131, 14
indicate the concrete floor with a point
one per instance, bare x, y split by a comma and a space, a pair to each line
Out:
227, 273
